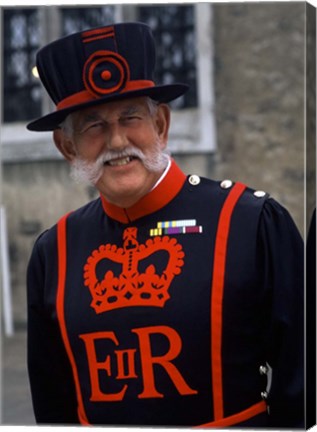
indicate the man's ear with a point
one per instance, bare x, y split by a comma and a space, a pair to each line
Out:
64, 144
163, 117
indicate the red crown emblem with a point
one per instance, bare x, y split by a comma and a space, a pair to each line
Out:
132, 287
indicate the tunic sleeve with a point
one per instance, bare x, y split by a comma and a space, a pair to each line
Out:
50, 376
311, 323
282, 259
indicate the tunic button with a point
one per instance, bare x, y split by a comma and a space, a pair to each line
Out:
226, 184
194, 180
264, 395
263, 370
259, 194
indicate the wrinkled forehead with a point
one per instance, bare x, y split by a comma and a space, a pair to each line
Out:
112, 110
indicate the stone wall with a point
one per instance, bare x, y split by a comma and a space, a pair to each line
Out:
259, 84
259, 75
36, 195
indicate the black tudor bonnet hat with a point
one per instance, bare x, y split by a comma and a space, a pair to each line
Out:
97, 66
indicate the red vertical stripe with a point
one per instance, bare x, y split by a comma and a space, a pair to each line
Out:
62, 267
219, 268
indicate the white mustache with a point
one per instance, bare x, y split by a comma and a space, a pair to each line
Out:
90, 172
118, 154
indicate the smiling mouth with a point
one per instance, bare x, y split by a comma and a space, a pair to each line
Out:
120, 161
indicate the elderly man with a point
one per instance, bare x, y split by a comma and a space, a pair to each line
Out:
170, 300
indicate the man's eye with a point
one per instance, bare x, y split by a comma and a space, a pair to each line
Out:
131, 118
92, 127
95, 125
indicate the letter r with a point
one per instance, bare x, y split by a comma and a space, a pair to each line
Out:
147, 361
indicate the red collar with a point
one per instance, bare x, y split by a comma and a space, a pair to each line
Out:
166, 190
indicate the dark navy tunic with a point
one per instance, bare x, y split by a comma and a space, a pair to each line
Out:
170, 313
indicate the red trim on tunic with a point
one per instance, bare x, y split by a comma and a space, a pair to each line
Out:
169, 187
62, 267
235, 419
217, 288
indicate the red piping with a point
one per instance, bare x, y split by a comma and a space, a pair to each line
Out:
217, 288
234, 419
62, 266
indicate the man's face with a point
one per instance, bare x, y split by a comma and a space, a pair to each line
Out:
120, 144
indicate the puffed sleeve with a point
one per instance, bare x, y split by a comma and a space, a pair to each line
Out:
282, 259
50, 376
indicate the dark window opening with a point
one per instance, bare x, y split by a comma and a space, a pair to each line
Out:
21, 90
174, 32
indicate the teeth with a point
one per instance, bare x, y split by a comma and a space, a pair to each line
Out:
119, 162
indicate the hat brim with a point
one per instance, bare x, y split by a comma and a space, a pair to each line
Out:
163, 94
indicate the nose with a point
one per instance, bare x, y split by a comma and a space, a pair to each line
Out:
116, 138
